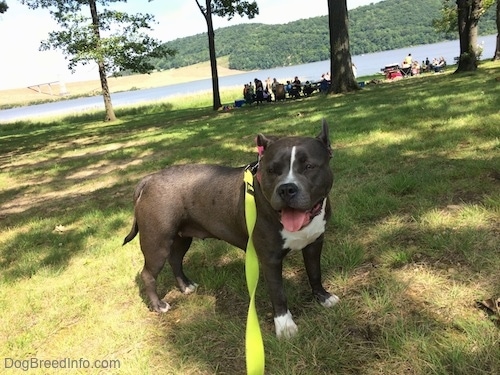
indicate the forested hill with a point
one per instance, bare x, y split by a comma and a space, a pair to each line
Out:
386, 25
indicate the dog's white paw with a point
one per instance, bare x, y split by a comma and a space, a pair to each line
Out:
331, 301
191, 288
163, 307
285, 326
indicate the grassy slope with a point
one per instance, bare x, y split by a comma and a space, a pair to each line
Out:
412, 245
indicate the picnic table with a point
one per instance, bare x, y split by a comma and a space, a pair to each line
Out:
392, 71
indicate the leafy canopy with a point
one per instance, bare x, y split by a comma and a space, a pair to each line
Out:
447, 20
229, 8
119, 40
3, 7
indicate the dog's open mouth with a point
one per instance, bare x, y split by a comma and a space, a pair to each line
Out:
294, 220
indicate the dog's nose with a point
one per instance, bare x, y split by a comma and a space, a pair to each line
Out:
288, 191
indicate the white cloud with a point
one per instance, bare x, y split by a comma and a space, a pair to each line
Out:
22, 63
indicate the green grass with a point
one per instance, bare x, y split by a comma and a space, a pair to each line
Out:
412, 245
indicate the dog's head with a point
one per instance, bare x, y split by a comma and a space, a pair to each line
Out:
295, 176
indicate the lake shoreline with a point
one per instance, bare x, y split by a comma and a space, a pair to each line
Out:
55, 91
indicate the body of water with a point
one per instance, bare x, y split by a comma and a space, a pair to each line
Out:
367, 64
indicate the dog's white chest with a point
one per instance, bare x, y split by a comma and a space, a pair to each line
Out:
301, 238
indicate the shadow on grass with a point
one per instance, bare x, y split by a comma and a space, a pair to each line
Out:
51, 233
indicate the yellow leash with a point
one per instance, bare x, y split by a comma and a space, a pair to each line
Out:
253, 340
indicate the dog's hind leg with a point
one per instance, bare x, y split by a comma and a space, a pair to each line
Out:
154, 260
180, 246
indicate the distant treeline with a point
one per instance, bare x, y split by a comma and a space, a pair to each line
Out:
387, 25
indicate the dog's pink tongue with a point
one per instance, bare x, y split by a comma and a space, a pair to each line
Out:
293, 220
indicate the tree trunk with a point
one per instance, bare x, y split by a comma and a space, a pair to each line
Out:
213, 58
110, 113
341, 74
496, 56
468, 14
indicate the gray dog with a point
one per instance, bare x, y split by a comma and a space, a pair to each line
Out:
292, 181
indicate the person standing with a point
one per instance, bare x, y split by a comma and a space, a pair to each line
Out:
268, 85
296, 88
274, 87
259, 91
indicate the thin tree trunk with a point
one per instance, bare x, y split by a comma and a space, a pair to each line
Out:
213, 58
110, 113
496, 56
341, 73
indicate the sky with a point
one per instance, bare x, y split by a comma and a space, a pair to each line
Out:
22, 29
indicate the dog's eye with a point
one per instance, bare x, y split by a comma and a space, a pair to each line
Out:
310, 166
274, 169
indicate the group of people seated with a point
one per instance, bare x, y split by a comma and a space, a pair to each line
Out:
437, 65
293, 88
258, 92
410, 67
255, 92
324, 83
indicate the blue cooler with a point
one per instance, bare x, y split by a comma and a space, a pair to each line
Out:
239, 103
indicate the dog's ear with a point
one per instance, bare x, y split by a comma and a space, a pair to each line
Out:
324, 137
262, 143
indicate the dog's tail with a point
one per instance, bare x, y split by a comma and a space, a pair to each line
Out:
133, 232
137, 195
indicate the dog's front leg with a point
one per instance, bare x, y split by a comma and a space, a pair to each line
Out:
312, 261
283, 321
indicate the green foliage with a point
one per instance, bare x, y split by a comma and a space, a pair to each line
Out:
3, 7
386, 25
229, 8
447, 22
120, 41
